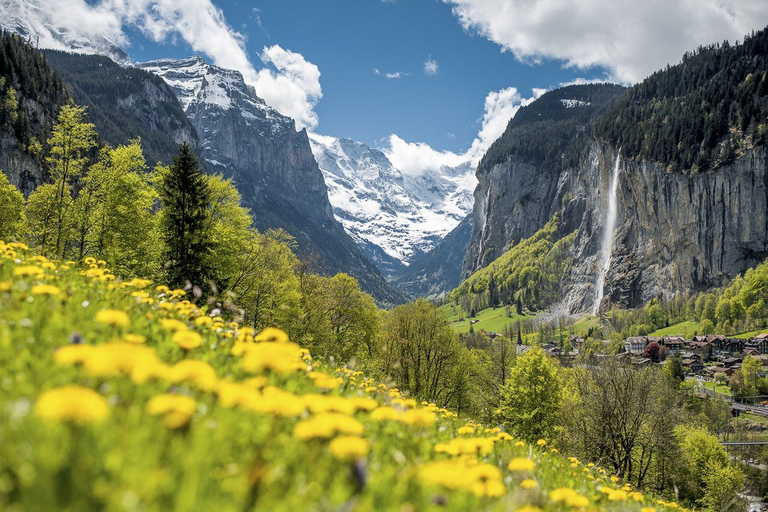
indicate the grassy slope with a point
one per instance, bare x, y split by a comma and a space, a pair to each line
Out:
689, 327
238, 447
490, 319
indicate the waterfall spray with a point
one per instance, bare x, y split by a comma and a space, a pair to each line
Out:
606, 250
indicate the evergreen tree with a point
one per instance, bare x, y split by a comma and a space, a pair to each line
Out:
12, 219
185, 197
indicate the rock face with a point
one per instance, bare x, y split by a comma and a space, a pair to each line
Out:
393, 216
271, 164
125, 103
676, 233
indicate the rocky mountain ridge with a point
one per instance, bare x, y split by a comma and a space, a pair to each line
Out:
271, 164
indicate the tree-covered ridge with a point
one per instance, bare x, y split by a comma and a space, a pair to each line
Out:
119, 99
527, 275
699, 114
30, 93
553, 131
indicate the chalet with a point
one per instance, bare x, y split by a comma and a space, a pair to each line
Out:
675, 344
703, 349
731, 361
694, 365
759, 343
720, 369
692, 355
635, 344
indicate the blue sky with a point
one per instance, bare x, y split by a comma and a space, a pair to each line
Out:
348, 39
314, 60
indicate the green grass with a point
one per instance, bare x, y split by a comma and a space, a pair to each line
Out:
718, 388
683, 329
489, 319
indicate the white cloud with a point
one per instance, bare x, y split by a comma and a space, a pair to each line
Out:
293, 89
396, 74
631, 39
291, 85
414, 158
431, 67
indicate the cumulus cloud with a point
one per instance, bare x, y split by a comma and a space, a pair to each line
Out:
292, 88
431, 67
414, 158
631, 39
289, 83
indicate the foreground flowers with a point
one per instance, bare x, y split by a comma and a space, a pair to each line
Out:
162, 404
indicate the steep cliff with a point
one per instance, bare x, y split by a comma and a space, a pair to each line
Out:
125, 103
32, 93
272, 165
687, 148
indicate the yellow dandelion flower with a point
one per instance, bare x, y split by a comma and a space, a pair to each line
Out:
465, 430
90, 260
272, 334
348, 447
569, 497
199, 373
5, 286
418, 417
528, 484
187, 339
172, 324
45, 289
384, 413
528, 508
521, 464
541, 442
519, 444
175, 409
648, 509
277, 357
113, 317
617, 495
277, 402
327, 425
28, 271
136, 339
72, 404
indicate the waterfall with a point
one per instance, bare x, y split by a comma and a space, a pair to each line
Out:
482, 230
606, 249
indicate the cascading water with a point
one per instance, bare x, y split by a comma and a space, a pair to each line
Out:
482, 231
607, 244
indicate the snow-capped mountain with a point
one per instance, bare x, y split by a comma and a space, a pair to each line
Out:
32, 20
270, 162
394, 216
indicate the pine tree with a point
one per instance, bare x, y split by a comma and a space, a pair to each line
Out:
185, 197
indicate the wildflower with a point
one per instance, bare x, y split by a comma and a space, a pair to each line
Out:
271, 334
521, 464
136, 339
279, 403
187, 339
617, 495
528, 484
519, 444
348, 447
325, 381
177, 409
648, 509
162, 289
486, 480
232, 394
171, 324
384, 413
90, 260
203, 321
45, 289
28, 271
113, 317
418, 417
277, 357
326, 425
465, 430
199, 373
5, 286
72, 403
569, 497
528, 508
541, 442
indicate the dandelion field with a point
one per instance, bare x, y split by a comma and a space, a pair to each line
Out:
124, 395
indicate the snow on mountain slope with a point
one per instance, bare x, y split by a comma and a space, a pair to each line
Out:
403, 215
32, 20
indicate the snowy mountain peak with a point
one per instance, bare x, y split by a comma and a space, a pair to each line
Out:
32, 20
395, 217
